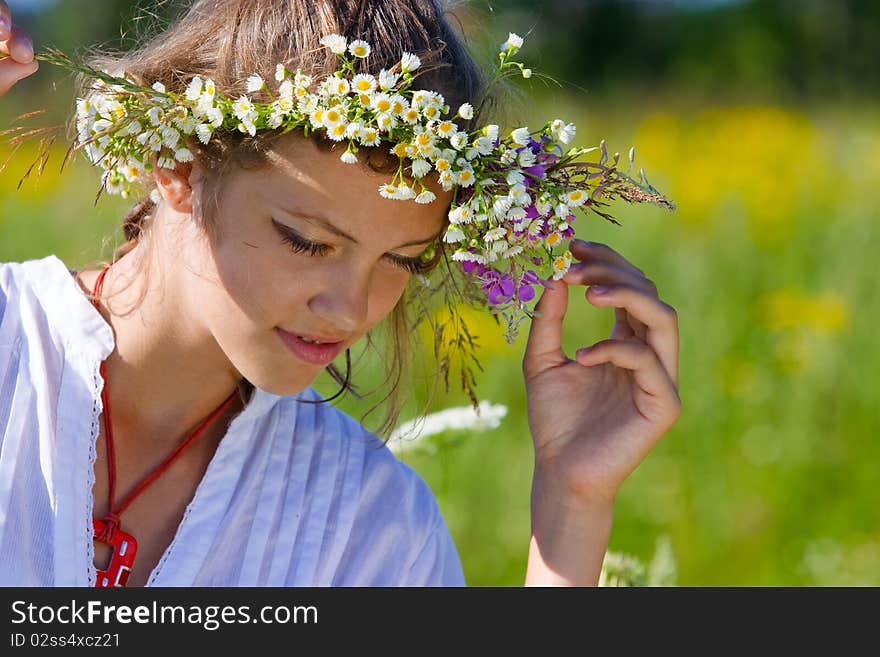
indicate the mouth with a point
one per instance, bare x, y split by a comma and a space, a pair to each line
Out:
310, 350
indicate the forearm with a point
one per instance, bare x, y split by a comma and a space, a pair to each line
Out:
569, 538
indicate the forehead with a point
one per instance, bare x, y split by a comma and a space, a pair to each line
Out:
302, 177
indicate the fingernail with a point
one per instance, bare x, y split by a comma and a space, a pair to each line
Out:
599, 289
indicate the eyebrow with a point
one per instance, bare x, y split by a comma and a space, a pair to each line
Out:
324, 223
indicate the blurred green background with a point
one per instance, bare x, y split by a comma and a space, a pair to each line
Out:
760, 120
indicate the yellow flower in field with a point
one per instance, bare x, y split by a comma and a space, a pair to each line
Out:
790, 308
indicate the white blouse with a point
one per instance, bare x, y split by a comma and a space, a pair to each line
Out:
295, 494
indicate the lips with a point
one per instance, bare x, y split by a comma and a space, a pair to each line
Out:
315, 354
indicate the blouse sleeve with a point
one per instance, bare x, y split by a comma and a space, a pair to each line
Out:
437, 562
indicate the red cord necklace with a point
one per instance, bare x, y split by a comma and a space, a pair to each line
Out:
107, 529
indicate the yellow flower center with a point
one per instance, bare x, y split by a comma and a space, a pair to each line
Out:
360, 51
383, 105
442, 165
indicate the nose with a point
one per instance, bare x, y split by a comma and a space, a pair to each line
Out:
343, 303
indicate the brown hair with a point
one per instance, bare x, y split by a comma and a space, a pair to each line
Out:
229, 40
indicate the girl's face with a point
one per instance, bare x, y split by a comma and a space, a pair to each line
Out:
308, 246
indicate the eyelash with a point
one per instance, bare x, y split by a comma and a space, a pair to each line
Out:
300, 245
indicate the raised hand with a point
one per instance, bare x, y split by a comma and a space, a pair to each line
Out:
16, 51
594, 418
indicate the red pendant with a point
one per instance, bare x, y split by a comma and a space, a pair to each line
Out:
124, 550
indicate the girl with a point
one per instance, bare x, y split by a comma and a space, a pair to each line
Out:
249, 268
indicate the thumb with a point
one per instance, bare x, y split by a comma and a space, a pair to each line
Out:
545, 334
12, 71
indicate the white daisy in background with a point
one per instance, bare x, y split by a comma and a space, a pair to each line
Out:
203, 132
348, 157
420, 168
466, 111
487, 416
183, 155
280, 72
453, 234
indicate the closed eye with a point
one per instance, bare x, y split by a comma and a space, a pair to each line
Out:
299, 244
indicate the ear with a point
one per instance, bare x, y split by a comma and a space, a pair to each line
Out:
175, 185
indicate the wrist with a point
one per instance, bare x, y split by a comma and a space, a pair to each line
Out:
569, 536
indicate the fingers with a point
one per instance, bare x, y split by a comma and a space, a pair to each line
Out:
545, 333
659, 317
649, 373
14, 41
5, 20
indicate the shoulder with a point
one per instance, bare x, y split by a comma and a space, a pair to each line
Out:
398, 535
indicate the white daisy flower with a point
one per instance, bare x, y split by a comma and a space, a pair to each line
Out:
194, 89
332, 117
411, 115
420, 168
354, 129
370, 137
348, 157
508, 156
409, 62
215, 116
254, 83
276, 118
337, 132
516, 214
134, 128
515, 178
381, 102
387, 79
491, 131
563, 132
170, 137
514, 42
465, 177
426, 196
462, 255
339, 86
458, 140
302, 80
247, 126
518, 194
388, 191
399, 104
364, 83
447, 180
385, 121
335, 42
280, 72
484, 145
576, 198
183, 155
453, 234
502, 205
158, 86
203, 132
360, 49
520, 136
155, 115
466, 111
562, 211
494, 234
166, 162
405, 192
244, 109
561, 265
526, 158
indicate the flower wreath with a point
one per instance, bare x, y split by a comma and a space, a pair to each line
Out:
515, 193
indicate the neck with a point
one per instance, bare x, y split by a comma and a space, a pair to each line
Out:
167, 372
